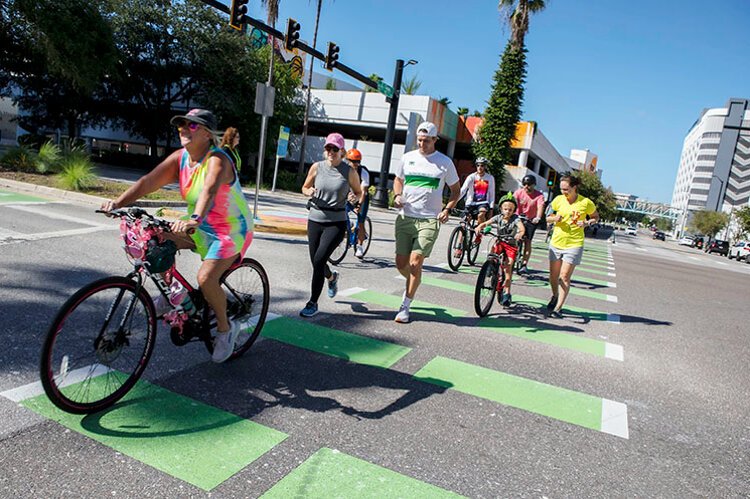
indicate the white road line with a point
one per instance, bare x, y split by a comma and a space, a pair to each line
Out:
721, 263
615, 418
611, 285
614, 318
614, 352
611, 274
33, 389
10, 234
399, 277
611, 298
642, 249
352, 291
45, 212
695, 258
64, 233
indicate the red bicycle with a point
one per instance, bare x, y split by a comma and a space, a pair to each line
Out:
491, 277
102, 338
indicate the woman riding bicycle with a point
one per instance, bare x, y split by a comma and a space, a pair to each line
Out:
220, 226
510, 230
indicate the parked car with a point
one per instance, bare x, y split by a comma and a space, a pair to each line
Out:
717, 246
740, 251
686, 241
659, 235
631, 231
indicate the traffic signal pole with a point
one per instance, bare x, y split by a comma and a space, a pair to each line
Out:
381, 192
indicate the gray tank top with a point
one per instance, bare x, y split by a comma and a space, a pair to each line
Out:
332, 186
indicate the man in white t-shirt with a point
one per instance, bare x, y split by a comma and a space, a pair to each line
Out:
418, 192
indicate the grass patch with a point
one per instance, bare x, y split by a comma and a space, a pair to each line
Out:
102, 188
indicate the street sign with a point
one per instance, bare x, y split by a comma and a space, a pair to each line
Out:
385, 88
281, 149
264, 97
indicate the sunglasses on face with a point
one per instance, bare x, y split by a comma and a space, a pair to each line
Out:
189, 124
331, 149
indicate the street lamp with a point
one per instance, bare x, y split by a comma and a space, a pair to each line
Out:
380, 198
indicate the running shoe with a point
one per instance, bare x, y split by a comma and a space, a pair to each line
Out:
333, 285
523, 270
310, 310
506, 300
402, 317
224, 343
555, 314
359, 252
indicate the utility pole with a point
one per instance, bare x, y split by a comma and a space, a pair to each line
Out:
381, 192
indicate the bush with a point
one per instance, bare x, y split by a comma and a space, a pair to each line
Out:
48, 158
20, 158
77, 172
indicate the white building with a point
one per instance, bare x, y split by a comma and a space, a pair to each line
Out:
714, 171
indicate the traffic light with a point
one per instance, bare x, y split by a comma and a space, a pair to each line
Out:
332, 56
292, 34
239, 9
551, 178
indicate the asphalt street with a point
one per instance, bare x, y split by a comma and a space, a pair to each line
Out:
640, 390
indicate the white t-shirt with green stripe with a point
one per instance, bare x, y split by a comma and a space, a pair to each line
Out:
424, 178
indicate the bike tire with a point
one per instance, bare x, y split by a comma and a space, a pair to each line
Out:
456, 248
473, 253
248, 296
106, 363
368, 236
486, 287
339, 252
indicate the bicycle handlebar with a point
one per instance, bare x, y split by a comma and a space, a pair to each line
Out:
135, 213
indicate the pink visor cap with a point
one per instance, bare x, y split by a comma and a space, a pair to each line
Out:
335, 139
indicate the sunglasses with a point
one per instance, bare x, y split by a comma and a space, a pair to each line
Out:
331, 148
189, 124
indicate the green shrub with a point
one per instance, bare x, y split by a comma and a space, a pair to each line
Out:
48, 158
77, 173
20, 158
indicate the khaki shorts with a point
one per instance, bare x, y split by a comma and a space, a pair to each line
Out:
416, 235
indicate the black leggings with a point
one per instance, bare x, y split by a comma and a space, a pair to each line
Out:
322, 239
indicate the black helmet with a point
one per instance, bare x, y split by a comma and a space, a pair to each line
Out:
528, 180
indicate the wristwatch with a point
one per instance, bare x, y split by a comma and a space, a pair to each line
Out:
196, 218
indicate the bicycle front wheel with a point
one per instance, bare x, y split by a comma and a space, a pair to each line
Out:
248, 295
486, 287
98, 345
471, 255
368, 236
456, 248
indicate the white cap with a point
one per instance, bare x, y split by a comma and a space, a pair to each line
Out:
427, 128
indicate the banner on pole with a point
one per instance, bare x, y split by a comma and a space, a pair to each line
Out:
283, 146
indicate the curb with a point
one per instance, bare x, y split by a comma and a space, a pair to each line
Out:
265, 225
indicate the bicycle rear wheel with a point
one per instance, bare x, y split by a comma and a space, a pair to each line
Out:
368, 236
456, 248
98, 345
248, 295
486, 287
471, 255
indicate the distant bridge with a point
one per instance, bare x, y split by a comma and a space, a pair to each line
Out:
657, 210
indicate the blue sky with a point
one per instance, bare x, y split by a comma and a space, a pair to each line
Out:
624, 79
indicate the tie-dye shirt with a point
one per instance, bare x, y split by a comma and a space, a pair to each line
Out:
227, 228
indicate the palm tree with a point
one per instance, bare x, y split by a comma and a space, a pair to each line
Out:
518, 12
462, 111
376, 78
410, 86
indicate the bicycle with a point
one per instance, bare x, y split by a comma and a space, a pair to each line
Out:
521, 247
101, 339
350, 240
463, 241
491, 277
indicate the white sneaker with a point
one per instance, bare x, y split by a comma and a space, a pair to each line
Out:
359, 252
224, 343
402, 317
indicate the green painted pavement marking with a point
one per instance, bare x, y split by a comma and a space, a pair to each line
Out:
550, 337
562, 404
179, 436
7, 197
543, 284
330, 474
347, 346
529, 300
419, 307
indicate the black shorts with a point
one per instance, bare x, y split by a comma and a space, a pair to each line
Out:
473, 209
530, 229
